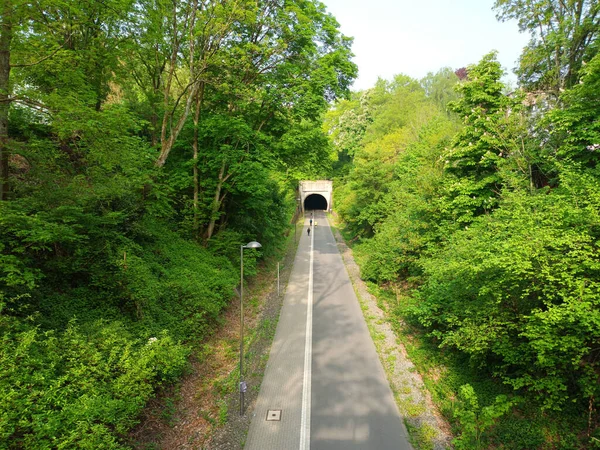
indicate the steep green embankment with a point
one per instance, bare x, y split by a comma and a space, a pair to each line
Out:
480, 225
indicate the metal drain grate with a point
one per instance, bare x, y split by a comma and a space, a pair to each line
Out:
274, 415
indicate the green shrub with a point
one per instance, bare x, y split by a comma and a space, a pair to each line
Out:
475, 419
80, 388
519, 292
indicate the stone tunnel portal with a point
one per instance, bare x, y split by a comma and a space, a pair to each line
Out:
315, 194
315, 201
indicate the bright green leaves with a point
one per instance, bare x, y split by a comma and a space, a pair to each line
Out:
70, 48
490, 212
563, 38
575, 126
261, 97
395, 134
439, 87
518, 290
494, 222
387, 120
305, 150
90, 230
476, 419
78, 387
482, 92
477, 151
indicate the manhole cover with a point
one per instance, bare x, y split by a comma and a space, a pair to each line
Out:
274, 414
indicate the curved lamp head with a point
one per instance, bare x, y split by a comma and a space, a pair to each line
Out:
252, 244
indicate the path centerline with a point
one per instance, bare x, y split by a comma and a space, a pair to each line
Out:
306, 387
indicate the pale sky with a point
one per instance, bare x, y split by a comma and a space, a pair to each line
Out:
414, 37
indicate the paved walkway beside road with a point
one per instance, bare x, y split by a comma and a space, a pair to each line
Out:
324, 387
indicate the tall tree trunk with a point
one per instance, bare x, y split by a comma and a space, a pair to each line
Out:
6, 24
199, 97
168, 138
156, 85
216, 202
213, 33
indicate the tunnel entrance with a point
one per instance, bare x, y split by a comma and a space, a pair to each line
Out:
315, 194
315, 201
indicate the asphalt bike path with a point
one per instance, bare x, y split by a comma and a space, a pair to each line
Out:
324, 387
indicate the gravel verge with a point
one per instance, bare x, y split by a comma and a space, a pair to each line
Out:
232, 434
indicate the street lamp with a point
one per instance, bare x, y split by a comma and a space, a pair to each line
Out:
252, 244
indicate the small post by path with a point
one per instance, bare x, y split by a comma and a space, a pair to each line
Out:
277, 279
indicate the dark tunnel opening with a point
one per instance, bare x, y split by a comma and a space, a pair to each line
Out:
315, 201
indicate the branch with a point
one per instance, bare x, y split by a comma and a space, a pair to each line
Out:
45, 57
31, 103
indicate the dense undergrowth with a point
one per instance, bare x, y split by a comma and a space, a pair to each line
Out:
463, 390
79, 363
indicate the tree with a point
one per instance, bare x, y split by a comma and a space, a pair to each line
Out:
388, 120
197, 30
253, 98
518, 291
574, 125
440, 86
6, 35
113, 114
477, 151
563, 37
346, 123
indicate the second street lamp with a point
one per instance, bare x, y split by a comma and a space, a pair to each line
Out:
252, 244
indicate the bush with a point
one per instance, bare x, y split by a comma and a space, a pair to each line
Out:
475, 419
519, 292
79, 388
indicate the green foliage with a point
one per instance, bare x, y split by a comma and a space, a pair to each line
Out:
563, 37
391, 192
475, 419
439, 87
516, 291
478, 150
110, 263
399, 112
444, 372
416, 220
305, 148
346, 123
575, 128
78, 387
82, 383
494, 226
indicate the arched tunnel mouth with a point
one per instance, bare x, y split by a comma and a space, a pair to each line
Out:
315, 201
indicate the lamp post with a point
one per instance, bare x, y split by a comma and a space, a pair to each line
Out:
252, 244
